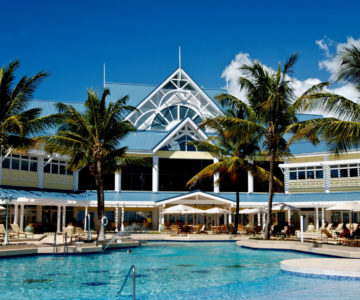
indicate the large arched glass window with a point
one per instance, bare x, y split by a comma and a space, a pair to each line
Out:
171, 115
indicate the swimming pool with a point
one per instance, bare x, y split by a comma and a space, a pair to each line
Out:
167, 271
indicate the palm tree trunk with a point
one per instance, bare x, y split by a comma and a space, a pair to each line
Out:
237, 211
270, 196
99, 182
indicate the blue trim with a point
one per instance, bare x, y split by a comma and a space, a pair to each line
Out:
321, 276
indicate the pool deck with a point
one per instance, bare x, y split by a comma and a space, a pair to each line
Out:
331, 268
165, 237
307, 247
45, 246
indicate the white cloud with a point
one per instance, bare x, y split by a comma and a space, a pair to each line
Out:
333, 61
331, 64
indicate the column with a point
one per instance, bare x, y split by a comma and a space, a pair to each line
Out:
86, 217
64, 217
155, 174
286, 180
216, 178
259, 219
326, 170
264, 220
229, 216
317, 217
322, 216
116, 218
76, 180
16, 213
22, 217
39, 213
250, 181
289, 218
118, 181
58, 219
40, 172
122, 217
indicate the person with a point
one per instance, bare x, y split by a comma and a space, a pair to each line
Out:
128, 251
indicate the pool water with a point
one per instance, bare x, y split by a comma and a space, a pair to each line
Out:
167, 271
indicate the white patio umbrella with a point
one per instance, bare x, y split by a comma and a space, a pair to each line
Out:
215, 211
2, 207
348, 205
182, 209
250, 211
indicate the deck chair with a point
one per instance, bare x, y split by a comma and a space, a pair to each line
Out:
196, 229
329, 227
328, 235
17, 232
2, 232
339, 228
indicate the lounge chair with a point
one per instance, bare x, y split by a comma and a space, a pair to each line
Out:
339, 228
2, 232
196, 229
328, 235
224, 229
329, 227
81, 234
17, 232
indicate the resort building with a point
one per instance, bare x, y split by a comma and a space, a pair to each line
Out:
48, 195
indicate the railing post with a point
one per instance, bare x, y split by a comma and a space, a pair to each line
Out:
133, 267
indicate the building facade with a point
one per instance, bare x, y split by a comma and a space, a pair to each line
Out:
45, 193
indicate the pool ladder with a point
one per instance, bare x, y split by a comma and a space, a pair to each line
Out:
66, 248
132, 269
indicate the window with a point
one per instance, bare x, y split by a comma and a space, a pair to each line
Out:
20, 162
55, 166
307, 173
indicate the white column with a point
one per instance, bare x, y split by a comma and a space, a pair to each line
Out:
286, 180
76, 180
326, 170
116, 219
302, 228
155, 174
22, 217
58, 219
39, 213
64, 217
229, 216
317, 217
118, 181
160, 216
122, 217
40, 172
86, 217
216, 178
264, 220
16, 214
322, 216
250, 181
259, 219
289, 218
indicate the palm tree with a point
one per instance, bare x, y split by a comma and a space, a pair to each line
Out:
342, 130
272, 100
17, 122
92, 139
234, 153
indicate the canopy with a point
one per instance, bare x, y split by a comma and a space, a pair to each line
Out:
251, 211
182, 209
2, 207
216, 210
349, 205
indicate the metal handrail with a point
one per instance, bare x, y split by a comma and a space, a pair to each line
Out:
65, 244
54, 246
132, 268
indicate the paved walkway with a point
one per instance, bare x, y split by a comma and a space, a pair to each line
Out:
323, 267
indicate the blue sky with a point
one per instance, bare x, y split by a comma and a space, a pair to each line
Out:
138, 40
